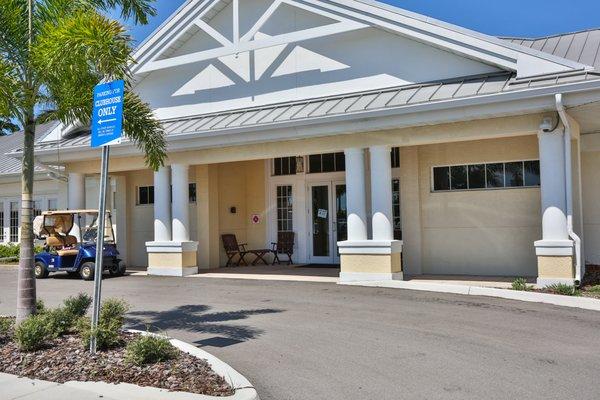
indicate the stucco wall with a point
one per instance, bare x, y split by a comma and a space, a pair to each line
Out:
590, 177
242, 185
486, 232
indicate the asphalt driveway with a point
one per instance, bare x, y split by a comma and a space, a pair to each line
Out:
300, 340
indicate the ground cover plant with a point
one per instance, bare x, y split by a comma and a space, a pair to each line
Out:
53, 345
521, 284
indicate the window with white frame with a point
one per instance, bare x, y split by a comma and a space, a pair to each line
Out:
496, 175
396, 209
14, 221
52, 204
285, 213
145, 195
328, 162
284, 166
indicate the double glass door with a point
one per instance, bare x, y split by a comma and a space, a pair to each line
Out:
327, 221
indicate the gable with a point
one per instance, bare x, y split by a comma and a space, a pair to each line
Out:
236, 54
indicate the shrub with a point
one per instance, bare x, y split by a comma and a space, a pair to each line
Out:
40, 307
11, 251
58, 321
78, 305
149, 349
594, 289
521, 284
32, 333
108, 332
6, 326
563, 288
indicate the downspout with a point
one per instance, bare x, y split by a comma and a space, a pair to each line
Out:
569, 185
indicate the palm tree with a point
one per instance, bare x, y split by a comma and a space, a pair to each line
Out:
7, 127
52, 54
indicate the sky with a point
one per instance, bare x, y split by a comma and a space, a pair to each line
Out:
522, 18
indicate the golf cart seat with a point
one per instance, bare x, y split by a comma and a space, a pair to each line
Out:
59, 243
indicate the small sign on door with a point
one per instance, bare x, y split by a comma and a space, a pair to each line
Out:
255, 218
322, 213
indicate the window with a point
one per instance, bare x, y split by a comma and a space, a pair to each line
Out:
396, 209
14, 221
52, 204
192, 192
395, 157
1, 222
328, 162
37, 208
285, 211
145, 195
487, 176
284, 166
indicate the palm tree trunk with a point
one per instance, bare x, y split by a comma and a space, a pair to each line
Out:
26, 277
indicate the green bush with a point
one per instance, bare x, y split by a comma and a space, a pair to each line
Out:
11, 251
521, 284
6, 326
59, 321
40, 307
563, 288
594, 289
149, 349
78, 305
110, 324
32, 333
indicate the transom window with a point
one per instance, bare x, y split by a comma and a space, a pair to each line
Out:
487, 176
284, 166
37, 208
285, 213
52, 204
328, 162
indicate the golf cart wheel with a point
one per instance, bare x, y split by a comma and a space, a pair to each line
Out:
117, 269
41, 271
87, 271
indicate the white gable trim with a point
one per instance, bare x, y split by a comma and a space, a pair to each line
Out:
356, 14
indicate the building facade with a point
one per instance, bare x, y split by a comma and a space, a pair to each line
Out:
389, 143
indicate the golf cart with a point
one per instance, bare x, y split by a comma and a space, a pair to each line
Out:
70, 244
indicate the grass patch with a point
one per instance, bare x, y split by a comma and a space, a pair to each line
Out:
521, 285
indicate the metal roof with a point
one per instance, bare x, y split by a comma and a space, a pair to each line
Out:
14, 143
354, 103
582, 47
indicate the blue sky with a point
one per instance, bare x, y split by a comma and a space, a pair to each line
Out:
527, 18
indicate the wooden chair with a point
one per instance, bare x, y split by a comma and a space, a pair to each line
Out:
284, 245
232, 249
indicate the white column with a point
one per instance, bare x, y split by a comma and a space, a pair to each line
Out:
76, 191
552, 173
356, 194
381, 193
181, 222
76, 199
162, 205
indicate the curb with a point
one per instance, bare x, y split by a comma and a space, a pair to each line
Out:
243, 388
585, 303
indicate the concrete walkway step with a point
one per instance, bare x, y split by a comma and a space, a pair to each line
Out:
13, 388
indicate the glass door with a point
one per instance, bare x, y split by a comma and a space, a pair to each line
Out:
327, 221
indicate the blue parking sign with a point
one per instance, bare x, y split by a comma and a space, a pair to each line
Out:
107, 117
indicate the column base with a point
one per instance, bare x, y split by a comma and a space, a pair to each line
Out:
370, 260
555, 262
172, 258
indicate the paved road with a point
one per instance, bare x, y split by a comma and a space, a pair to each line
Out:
322, 341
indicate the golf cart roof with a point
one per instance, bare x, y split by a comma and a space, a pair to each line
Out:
63, 212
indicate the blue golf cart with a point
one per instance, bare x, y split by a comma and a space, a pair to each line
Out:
70, 244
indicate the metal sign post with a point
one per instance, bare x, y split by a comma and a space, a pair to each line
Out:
107, 123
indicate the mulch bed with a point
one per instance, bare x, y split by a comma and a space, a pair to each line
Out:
65, 359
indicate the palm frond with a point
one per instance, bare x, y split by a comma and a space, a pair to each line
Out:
138, 10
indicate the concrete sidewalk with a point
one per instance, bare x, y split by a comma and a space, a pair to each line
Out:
13, 387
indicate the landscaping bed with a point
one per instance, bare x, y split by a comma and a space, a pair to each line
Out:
54, 346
